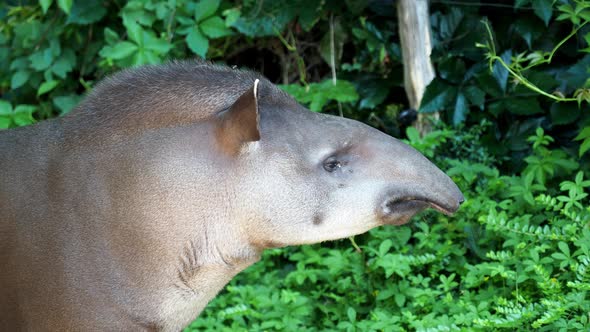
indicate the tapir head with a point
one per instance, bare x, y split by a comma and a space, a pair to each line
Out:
307, 177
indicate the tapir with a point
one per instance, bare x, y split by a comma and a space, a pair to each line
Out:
134, 210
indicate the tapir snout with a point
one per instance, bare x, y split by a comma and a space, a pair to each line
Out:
417, 184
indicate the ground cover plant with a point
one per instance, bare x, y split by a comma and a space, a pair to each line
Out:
512, 88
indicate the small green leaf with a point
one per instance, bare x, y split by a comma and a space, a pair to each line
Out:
66, 103
45, 4
119, 51
87, 12
500, 72
523, 106
543, 9
46, 87
41, 60
23, 114
197, 42
564, 113
585, 146
151, 42
19, 78
5, 114
5, 107
214, 27
110, 36
461, 109
64, 64
65, 5
351, 313
437, 96
205, 8
475, 96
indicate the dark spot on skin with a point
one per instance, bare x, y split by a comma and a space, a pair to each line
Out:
318, 219
269, 244
341, 185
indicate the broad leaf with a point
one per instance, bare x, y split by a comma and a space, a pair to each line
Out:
499, 72
87, 12
437, 96
46, 87
214, 27
118, 51
523, 106
19, 78
461, 109
66, 103
543, 9
23, 114
5, 114
65, 5
564, 113
205, 8
197, 42
45, 4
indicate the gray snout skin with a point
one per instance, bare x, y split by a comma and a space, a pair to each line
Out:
400, 203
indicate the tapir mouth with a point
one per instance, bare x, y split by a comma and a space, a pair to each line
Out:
419, 203
398, 211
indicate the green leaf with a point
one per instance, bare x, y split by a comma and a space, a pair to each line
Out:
152, 43
198, 43
437, 96
564, 113
461, 109
66, 103
110, 36
135, 32
19, 78
23, 114
46, 87
584, 133
523, 106
65, 5
529, 28
45, 4
543, 9
452, 69
351, 313
585, 146
87, 12
64, 64
205, 8
475, 95
499, 72
318, 94
119, 51
41, 60
214, 27
5, 114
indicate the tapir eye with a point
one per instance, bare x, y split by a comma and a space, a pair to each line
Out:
331, 164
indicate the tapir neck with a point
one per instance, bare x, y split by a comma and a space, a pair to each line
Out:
206, 264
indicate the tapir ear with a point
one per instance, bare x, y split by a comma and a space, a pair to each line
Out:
240, 123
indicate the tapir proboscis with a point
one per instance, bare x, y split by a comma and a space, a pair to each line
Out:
134, 210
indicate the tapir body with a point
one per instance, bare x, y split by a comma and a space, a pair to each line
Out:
134, 210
